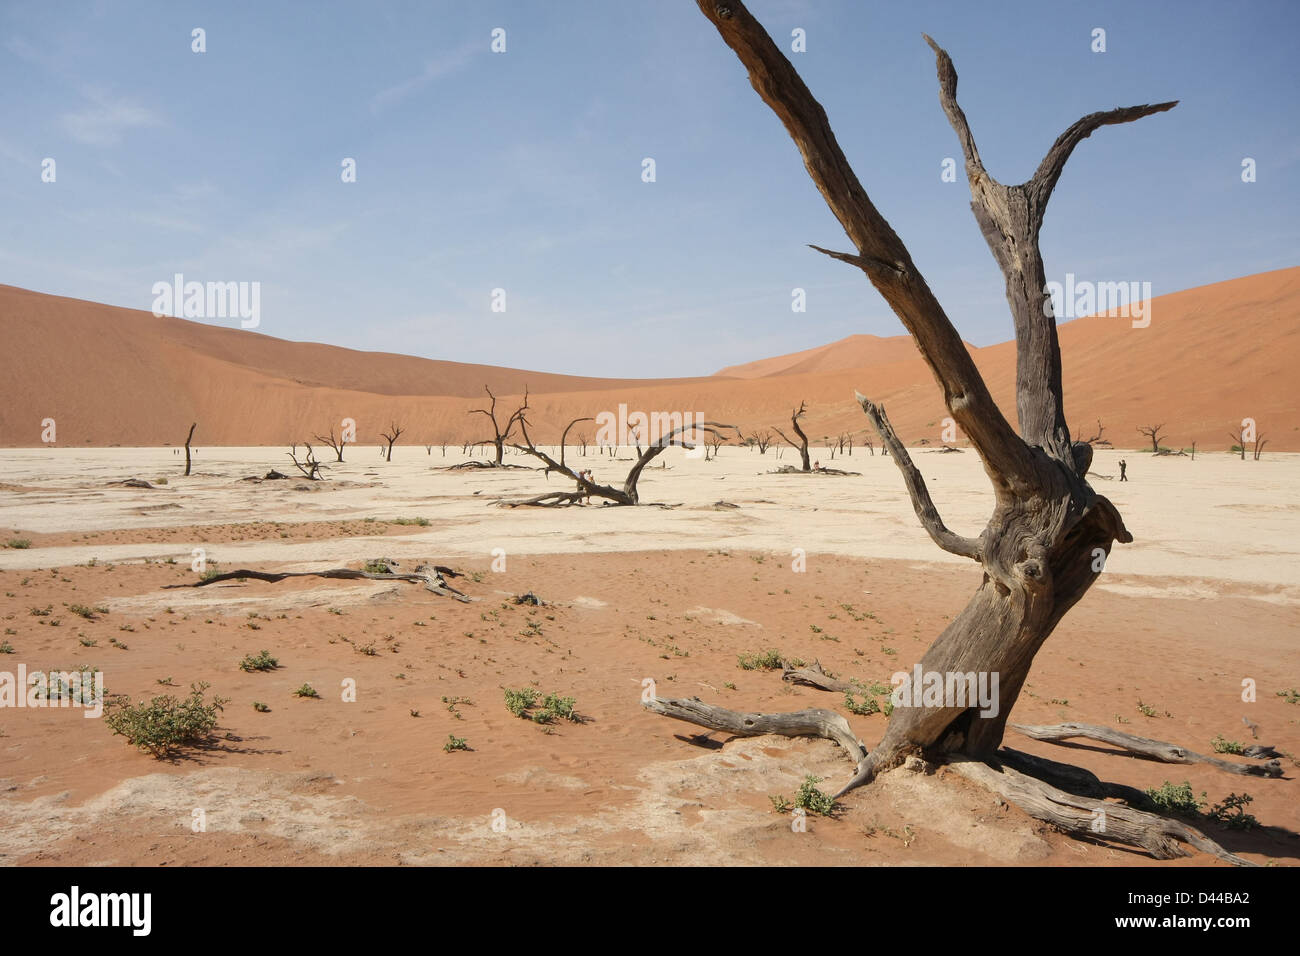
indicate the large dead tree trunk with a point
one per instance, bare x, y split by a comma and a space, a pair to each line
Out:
1049, 531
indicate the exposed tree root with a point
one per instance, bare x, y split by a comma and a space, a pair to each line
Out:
1155, 749
1089, 817
1021, 779
803, 723
431, 576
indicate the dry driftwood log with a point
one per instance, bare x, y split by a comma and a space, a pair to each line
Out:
431, 576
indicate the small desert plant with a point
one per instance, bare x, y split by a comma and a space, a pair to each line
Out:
6, 648
1232, 812
812, 799
454, 743
1147, 711
262, 661
1290, 695
306, 690
260, 707
518, 701
1224, 746
18, 544
422, 522
377, 566
167, 723
780, 804
769, 660
1176, 798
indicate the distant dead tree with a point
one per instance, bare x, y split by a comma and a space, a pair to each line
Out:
1152, 432
586, 487
394, 432
500, 435
1239, 442
1260, 442
338, 444
712, 443
310, 467
762, 440
187, 448
1045, 542
802, 444
1095, 439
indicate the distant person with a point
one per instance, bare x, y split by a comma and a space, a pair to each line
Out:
817, 466
1122, 466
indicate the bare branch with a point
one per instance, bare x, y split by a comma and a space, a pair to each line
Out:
921, 501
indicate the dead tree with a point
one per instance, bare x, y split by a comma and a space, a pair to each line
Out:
1259, 446
1040, 548
802, 444
394, 432
191, 435
585, 487
310, 467
338, 444
1152, 432
712, 443
1239, 442
1095, 439
499, 435
762, 440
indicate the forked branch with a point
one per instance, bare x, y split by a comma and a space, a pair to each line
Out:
922, 503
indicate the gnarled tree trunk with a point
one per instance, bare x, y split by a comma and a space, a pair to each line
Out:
1049, 534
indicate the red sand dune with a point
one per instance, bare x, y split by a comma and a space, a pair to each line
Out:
1211, 356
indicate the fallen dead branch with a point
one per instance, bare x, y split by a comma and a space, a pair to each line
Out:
431, 576
1154, 749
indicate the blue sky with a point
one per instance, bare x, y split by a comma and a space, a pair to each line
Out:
522, 170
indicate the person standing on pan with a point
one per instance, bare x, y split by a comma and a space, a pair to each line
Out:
1122, 466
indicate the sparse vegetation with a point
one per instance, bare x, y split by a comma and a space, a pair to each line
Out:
306, 690
454, 743
812, 799
18, 544
262, 661
1176, 799
167, 724
769, 660
1224, 746
1232, 812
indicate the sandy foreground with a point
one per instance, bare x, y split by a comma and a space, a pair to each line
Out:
1206, 596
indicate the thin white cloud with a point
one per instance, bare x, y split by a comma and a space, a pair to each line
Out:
103, 122
445, 65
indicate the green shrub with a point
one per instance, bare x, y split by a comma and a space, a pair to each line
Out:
1291, 695
780, 804
812, 799
518, 701
260, 707
306, 690
454, 743
262, 661
1232, 812
1177, 799
1224, 746
769, 660
18, 544
167, 724
422, 522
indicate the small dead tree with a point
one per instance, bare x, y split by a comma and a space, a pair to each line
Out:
1152, 432
802, 444
586, 487
1239, 442
500, 435
1260, 442
762, 440
188, 438
1039, 551
394, 432
338, 444
309, 466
